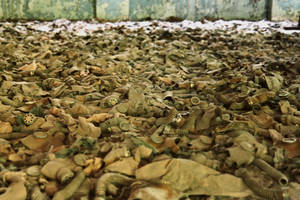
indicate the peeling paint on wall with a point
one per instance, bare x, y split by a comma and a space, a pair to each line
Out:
143, 9
101, 10
163, 9
3, 9
185, 9
205, 8
197, 9
140, 9
47, 9
232, 9
113, 10
286, 9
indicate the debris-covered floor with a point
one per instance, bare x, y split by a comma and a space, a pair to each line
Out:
149, 110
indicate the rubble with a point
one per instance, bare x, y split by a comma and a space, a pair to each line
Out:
149, 110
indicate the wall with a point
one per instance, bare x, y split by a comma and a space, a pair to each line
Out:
286, 9
197, 9
46, 9
112, 9
185, 9
145, 9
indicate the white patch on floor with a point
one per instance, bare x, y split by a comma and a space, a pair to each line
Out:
83, 28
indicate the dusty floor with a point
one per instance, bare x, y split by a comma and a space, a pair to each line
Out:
149, 110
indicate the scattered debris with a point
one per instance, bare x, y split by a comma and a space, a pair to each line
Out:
149, 110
